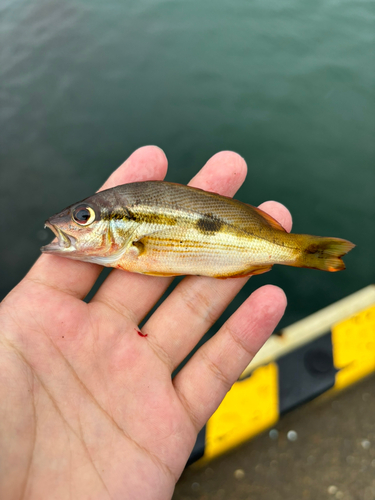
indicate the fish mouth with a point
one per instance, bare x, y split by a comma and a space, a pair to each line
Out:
64, 242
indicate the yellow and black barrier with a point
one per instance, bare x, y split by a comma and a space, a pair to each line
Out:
327, 351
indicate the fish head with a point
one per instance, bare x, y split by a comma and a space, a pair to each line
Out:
78, 230
83, 231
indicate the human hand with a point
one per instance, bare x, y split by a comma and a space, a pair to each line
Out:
88, 408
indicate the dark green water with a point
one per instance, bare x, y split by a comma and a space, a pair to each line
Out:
288, 84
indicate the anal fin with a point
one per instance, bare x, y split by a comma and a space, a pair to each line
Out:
156, 273
251, 271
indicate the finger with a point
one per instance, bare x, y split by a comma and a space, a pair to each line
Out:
75, 277
224, 173
210, 373
145, 164
134, 295
278, 212
195, 305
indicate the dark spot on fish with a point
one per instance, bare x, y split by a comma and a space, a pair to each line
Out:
118, 213
209, 224
317, 250
151, 218
124, 213
312, 248
130, 215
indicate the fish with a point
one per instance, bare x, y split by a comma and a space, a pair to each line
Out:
161, 228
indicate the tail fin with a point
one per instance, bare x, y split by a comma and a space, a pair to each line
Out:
323, 253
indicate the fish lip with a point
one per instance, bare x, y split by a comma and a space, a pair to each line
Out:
64, 242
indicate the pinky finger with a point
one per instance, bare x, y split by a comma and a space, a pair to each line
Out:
204, 381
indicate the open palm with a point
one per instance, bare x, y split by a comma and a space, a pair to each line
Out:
88, 407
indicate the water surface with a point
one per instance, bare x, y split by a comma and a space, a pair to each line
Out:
287, 84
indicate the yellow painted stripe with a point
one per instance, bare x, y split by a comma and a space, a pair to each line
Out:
250, 407
353, 343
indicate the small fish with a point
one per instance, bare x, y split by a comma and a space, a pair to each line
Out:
165, 229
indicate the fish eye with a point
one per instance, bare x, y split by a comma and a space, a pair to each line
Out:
83, 215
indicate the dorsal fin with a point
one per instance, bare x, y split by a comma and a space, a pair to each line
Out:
271, 221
